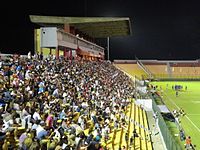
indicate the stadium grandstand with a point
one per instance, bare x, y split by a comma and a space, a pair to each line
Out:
162, 69
68, 96
163, 78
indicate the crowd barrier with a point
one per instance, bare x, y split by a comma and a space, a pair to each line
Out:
168, 138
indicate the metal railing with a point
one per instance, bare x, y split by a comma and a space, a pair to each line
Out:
64, 36
168, 138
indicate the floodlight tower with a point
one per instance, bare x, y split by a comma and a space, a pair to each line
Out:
108, 48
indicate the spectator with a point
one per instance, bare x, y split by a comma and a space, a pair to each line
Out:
135, 134
188, 143
182, 135
126, 137
176, 93
124, 147
56, 99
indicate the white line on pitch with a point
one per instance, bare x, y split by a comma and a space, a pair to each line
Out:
193, 114
185, 115
192, 123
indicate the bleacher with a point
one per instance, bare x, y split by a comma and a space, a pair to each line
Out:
186, 72
158, 70
132, 69
136, 119
179, 69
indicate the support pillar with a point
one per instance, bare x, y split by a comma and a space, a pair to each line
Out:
67, 28
50, 51
72, 30
65, 53
57, 53
108, 48
70, 54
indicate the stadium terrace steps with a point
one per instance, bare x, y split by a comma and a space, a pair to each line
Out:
131, 69
181, 72
142, 142
135, 119
148, 138
129, 123
142, 132
137, 139
185, 71
117, 138
121, 140
158, 70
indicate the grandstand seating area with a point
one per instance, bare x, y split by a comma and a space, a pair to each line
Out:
186, 70
136, 120
160, 70
132, 69
52, 104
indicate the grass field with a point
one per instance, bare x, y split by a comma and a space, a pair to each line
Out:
189, 100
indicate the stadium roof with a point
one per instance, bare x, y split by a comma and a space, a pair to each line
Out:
97, 27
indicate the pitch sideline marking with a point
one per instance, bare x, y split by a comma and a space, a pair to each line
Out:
185, 115
193, 114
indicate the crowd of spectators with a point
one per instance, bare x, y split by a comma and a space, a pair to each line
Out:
47, 103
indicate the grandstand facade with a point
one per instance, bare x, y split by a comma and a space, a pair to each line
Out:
75, 36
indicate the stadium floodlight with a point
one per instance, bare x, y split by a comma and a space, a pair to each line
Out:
108, 48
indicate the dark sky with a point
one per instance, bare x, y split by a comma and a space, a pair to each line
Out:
162, 29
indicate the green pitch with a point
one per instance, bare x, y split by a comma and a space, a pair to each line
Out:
189, 100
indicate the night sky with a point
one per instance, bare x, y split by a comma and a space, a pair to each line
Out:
162, 29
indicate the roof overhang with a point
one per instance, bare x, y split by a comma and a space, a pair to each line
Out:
97, 27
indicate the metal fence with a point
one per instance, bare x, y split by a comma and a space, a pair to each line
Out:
169, 140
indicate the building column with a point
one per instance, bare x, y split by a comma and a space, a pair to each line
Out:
76, 56
57, 53
72, 30
35, 41
67, 53
70, 54
50, 51
64, 53
67, 28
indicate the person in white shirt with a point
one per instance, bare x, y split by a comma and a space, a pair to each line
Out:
36, 115
25, 116
29, 55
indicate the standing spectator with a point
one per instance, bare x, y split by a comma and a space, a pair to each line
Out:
131, 140
155, 116
182, 135
188, 143
41, 56
29, 55
186, 87
126, 137
135, 134
176, 93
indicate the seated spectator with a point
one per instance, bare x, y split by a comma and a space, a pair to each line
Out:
60, 99
40, 131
